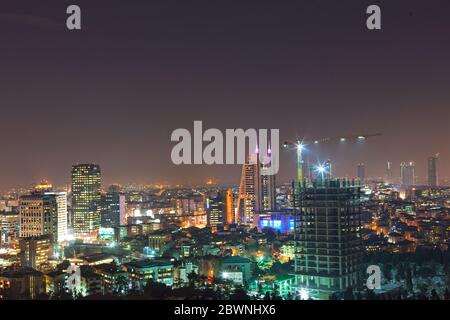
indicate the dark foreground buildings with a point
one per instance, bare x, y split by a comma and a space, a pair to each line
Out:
329, 246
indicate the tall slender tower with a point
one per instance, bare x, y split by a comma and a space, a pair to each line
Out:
61, 208
256, 191
86, 195
249, 190
229, 207
432, 171
268, 195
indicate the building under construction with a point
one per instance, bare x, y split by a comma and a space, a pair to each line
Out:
328, 238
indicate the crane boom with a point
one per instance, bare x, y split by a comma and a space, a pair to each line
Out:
299, 144
330, 139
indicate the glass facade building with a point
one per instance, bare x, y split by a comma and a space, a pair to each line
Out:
86, 198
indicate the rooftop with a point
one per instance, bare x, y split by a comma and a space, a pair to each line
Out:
20, 272
236, 259
148, 263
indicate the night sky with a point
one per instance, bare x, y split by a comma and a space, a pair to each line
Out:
113, 92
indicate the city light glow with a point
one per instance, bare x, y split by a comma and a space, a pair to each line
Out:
303, 294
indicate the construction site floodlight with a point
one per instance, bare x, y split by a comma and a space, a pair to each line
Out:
320, 168
304, 295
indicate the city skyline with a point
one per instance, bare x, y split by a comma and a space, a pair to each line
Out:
232, 66
419, 180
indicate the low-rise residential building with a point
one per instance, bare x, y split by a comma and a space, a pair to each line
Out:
142, 272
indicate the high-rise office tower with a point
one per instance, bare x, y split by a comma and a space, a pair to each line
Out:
432, 171
249, 190
268, 196
256, 191
329, 248
9, 227
35, 252
86, 184
215, 211
60, 198
61, 203
38, 216
112, 210
229, 205
407, 174
56, 202
361, 172
389, 173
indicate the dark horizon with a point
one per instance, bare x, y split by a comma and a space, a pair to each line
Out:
113, 93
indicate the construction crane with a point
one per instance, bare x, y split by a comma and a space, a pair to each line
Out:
300, 145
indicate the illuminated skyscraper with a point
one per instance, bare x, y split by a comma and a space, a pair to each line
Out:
215, 211
361, 172
36, 251
407, 174
249, 190
38, 216
54, 204
58, 202
229, 205
61, 203
112, 210
9, 227
86, 184
329, 247
256, 191
268, 196
432, 171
